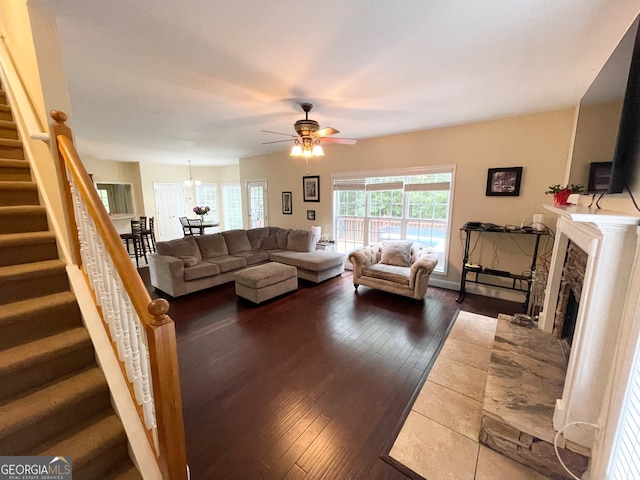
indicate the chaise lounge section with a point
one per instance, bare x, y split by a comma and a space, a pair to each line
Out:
191, 264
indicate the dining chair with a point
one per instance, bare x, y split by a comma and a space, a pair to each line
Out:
137, 242
186, 228
148, 233
195, 225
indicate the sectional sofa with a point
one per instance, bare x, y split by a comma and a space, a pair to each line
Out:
194, 263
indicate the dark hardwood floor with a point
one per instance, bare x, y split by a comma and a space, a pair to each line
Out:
314, 384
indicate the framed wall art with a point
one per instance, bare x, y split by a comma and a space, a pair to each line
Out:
287, 207
311, 214
311, 188
504, 182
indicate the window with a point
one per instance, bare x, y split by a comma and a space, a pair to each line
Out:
206, 196
232, 205
410, 205
117, 198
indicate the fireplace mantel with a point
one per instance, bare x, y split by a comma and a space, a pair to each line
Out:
609, 238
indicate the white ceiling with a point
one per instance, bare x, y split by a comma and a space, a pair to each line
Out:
167, 81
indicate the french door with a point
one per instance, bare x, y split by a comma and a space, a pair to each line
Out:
257, 203
170, 205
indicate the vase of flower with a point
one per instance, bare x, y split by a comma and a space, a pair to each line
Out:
201, 211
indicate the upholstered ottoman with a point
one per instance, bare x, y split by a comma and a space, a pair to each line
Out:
265, 281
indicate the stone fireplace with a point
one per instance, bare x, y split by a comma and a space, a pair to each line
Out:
605, 242
569, 295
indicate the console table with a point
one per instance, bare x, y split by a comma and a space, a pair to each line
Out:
481, 275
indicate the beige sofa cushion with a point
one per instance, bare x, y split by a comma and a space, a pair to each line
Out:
282, 237
201, 270
299, 241
227, 263
269, 243
237, 241
391, 273
256, 236
180, 248
265, 275
396, 253
252, 257
212, 245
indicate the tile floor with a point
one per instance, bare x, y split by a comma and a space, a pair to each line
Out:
439, 439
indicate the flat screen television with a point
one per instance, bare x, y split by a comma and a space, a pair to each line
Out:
608, 127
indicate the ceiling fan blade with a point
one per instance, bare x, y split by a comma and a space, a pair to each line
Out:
325, 132
275, 141
278, 133
344, 141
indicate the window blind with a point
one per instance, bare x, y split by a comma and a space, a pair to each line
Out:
625, 461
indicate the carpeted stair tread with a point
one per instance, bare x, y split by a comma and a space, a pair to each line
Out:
23, 218
11, 148
45, 305
19, 193
12, 273
98, 446
33, 318
27, 247
7, 123
58, 398
32, 365
8, 240
19, 282
42, 350
5, 112
10, 142
16, 170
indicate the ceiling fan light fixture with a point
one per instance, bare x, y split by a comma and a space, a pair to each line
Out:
317, 151
296, 150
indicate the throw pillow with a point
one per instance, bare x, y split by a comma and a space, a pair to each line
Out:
299, 241
396, 253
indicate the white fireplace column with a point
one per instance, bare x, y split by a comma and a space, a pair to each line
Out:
609, 239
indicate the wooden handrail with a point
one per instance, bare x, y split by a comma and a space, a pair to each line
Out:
159, 327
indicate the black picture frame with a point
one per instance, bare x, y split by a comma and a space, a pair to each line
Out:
311, 188
504, 182
311, 214
287, 203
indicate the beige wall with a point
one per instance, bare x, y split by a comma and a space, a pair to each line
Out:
539, 143
152, 173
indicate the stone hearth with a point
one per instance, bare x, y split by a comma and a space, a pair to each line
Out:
526, 376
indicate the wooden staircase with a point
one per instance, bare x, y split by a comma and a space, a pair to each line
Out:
54, 399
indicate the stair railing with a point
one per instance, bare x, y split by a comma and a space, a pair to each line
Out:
142, 334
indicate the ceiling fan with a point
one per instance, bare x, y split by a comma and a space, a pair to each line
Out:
309, 136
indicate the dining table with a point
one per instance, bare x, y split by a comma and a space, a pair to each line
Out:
203, 226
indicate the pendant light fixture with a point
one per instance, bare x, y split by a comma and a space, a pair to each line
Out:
190, 181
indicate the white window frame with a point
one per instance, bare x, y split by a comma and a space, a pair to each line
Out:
360, 181
230, 220
208, 199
